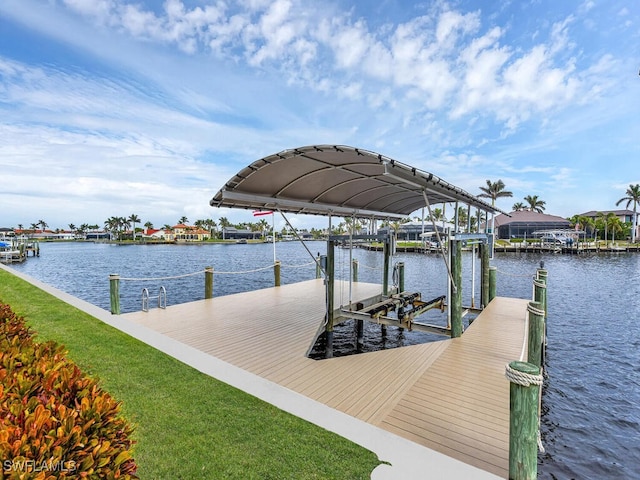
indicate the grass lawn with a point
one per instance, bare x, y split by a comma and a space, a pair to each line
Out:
187, 424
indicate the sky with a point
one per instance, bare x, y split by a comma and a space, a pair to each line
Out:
147, 107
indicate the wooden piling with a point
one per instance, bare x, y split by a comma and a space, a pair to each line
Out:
329, 298
276, 272
455, 247
524, 394
208, 282
359, 329
493, 277
386, 250
318, 269
541, 296
400, 286
536, 333
114, 293
484, 278
354, 268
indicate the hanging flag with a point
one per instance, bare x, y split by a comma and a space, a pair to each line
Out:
258, 213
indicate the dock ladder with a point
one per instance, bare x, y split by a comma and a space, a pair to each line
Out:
162, 298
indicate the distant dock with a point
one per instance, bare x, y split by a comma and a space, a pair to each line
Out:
450, 395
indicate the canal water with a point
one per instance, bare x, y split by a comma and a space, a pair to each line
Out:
591, 401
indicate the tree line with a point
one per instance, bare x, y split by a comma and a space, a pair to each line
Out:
604, 223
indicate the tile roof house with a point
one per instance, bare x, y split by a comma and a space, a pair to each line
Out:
523, 223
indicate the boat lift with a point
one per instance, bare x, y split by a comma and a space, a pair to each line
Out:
339, 180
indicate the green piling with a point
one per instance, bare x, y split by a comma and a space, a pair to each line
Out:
318, 269
455, 247
493, 275
536, 333
524, 395
330, 298
208, 282
401, 276
541, 277
386, 250
114, 293
276, 272
354, 268
484, 279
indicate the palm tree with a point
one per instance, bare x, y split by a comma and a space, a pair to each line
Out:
632, 196
149, 225
519, 206
535, 204
42, 224
183, 220
133, 218
225, 223
436, 215
494, 190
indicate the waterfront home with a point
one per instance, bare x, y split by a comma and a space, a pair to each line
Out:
189, 233
523, 224
233, 233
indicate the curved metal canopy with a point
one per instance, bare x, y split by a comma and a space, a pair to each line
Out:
338, 180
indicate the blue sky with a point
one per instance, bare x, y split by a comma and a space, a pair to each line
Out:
115, 107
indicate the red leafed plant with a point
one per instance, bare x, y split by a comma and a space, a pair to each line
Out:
55, 422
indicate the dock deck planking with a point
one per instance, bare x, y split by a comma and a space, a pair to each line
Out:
448, 395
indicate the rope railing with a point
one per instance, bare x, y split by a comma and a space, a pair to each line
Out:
150, 279
215, 272
302, 265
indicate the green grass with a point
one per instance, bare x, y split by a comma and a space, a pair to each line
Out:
187, 424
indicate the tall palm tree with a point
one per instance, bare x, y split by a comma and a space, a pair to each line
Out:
225, 223
494, 190
519, 206
632, 196
133, 218
183, 220
535, 204
42, 224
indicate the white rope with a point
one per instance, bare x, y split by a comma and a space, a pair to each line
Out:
535, 311
524, 337
243, 271
522, 378
298, 266
215, 272
162, 278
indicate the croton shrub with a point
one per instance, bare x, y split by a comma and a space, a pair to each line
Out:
55, 422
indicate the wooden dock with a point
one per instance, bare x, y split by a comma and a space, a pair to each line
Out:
449, 395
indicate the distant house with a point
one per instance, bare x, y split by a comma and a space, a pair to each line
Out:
6, 232
411, 230
233, 233
97, 235
189, 233
625, 216
158, 234
523, 223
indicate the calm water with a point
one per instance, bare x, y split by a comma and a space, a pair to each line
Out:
591, 403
